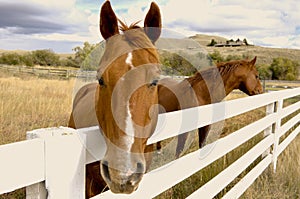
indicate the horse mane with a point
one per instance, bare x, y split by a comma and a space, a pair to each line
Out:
228, 67
222, 68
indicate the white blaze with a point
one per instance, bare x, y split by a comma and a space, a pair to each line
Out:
129, 130
129, 60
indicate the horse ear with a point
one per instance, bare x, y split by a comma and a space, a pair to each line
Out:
152, 23
252, 62
108, 21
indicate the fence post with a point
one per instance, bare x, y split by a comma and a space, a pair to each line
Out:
38, 190
279, 105
65, 163
269, 110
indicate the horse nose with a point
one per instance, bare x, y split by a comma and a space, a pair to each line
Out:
135, 177
132, 176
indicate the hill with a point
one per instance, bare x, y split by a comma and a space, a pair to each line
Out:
206, 39
265, 55
21, 52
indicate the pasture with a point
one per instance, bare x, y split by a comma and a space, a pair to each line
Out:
28, 103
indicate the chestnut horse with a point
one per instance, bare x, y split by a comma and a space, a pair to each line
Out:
124, 101
208, 86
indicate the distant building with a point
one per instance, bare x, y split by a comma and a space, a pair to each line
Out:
232, 43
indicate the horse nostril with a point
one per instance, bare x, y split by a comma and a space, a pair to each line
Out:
105, 170
140, 168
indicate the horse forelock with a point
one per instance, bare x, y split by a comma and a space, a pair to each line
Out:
124, 27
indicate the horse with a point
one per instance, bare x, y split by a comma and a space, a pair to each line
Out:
205, 87
123, 101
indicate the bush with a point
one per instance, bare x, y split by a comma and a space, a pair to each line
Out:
216, 56
10, 59
177, 63
264, 71
27, 59
69, 62
233, 57
284, 69
45, 58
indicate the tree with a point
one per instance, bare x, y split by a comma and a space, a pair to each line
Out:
245, 42
212, 43
82, 53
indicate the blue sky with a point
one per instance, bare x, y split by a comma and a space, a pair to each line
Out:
62, 25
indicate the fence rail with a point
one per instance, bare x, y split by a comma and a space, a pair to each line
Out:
56, 156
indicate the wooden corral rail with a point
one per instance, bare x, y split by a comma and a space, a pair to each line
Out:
52, 162
48, 72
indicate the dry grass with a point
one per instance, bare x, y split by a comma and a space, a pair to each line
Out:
28, 103
285, 183
32, 103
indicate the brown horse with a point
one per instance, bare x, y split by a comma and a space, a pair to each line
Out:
124, 101
206, 87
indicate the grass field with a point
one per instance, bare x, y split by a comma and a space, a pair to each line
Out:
28, 103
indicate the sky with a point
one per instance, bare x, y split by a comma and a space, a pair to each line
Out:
65, 24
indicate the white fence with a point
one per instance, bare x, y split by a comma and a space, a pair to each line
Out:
55, 158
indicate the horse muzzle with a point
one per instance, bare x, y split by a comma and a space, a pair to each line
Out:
122, 181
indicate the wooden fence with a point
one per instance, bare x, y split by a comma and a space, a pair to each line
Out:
52, 162
49, 72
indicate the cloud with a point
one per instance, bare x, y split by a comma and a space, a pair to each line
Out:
30, 18
44, 22
259, 20
68, 22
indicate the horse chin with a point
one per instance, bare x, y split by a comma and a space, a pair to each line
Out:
126, 188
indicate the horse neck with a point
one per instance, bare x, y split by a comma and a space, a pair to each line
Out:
213, 85
230, 81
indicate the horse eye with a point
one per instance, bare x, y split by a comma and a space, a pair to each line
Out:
154, 83
101, 81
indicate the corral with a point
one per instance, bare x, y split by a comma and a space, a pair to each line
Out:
191, 162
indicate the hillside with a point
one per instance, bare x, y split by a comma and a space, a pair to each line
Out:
21, 52
206, 39
265, 55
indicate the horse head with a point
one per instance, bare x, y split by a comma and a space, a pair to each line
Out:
249, 78
127, 96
